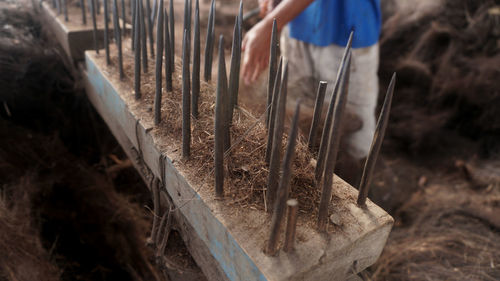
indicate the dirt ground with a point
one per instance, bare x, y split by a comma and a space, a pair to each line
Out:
72, 207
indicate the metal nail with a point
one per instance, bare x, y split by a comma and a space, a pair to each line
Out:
196, 61
118, 38
333, 147
137, 52
106, 32
172, 36
94, 25
272, 111
158, 66
84, 14
209, 43
168, 57
273, 50
291, 225
143, 33
378, 138
329, 115
220, 103
186, 100
284, 186
318, 107
150, 28
279, 122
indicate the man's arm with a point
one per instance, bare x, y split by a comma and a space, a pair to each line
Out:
257, 40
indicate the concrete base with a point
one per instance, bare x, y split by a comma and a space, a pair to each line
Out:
74, 37
226, 241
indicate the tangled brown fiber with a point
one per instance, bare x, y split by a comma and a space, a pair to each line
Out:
444, 233
447, 60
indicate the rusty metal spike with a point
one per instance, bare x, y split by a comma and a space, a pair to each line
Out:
84, 14
137, 52
279, 122
378, 138
220, 104
272, 110
273, 51
320, 163
172, 36
133, 11
291, 224
158, 66
234, 73
333, 147
196, 61
168, 57
209, 43
118, 38
318, 107
65, 9
284, 186
124, 20
106, 32
94, 25
186, 99
144, 46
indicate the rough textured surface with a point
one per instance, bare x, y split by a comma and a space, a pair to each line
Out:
235, 237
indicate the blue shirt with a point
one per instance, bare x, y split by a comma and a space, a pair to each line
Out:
326, 22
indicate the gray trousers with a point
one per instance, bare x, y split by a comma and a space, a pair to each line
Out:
308, 64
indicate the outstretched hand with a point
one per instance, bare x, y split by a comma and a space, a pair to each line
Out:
256, 47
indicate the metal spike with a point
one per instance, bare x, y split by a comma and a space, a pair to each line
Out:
279, 122
186, 99
272, 110
196, 60
84, 14
154, 11
209, 43
291, 224
333, 147
168, 52
220, 104
378, 138
159, 61
65, 9
94, 25
106, 32
149, 26
54, 4
284, 186
118, 38
272, 66
329, 115
58, 6
124, 20
318, 107
133, 11
144, 46
137, 52
172, 36
187, 21
240, 22
234, 75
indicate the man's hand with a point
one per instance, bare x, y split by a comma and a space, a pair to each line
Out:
256, 45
